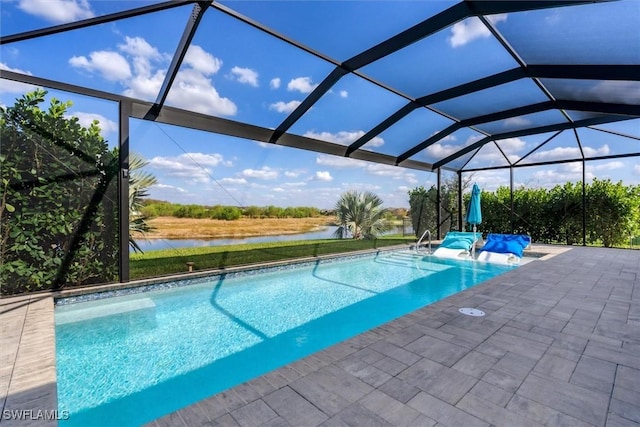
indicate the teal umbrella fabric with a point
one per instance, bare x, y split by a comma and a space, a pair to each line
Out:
474, 213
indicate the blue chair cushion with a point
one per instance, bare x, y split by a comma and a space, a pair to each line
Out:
458, 240
506, 243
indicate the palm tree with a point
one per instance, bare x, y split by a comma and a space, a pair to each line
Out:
139, 183
360, 215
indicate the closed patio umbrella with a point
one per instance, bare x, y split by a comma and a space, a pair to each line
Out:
474, 212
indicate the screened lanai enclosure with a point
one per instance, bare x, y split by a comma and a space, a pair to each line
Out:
508, 94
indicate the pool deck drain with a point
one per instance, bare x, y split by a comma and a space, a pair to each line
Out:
471, 311
559, 345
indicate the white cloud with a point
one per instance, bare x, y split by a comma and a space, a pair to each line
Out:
264, 173
616, 91
567, 172
340, 162
440, 151
192, 89
169, 187
302, 85
384, 170
344, 137
233, 181
295, 184
360, 186
512, 145
245, 75
86, 119
111, 65
471, 29
192, 167
278, 190
393, 172
4, 66
275, 83
609, 166
323, 176
57, 11
376, 141
9, 86
492, 179
344, 94
268, 145
137, 46
197, 93
207, 159
636, 169
143, 55
145, 86
284, 107
560, 153
514, 122
376, 169
171, 193
292, 174
202, 61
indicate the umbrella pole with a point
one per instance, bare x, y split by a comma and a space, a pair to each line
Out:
473, 248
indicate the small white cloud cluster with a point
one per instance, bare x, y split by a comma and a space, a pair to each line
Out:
284, 107
265, 173
245, 75
191, 167
562, 153
303, 85
471, 29
139, 67
344, 137
377, 169
57, 11
9, 86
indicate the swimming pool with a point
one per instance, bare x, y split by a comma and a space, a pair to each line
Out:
130, 359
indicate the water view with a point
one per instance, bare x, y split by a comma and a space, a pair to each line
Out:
155, 244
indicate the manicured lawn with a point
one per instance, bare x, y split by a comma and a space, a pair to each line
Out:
172, 261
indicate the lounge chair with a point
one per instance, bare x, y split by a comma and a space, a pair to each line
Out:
457, 245
504, 248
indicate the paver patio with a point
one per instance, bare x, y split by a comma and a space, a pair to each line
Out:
559, 346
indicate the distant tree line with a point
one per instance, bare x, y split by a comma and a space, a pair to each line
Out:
155, 208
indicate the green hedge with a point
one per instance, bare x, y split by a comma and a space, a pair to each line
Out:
555, 215
58, 199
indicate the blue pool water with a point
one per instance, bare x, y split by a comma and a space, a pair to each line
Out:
130, 359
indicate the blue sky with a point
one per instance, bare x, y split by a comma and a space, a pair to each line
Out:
234, 71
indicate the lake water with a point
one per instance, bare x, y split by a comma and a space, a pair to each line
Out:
155, 244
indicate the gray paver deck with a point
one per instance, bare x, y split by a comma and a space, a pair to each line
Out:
559, 346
